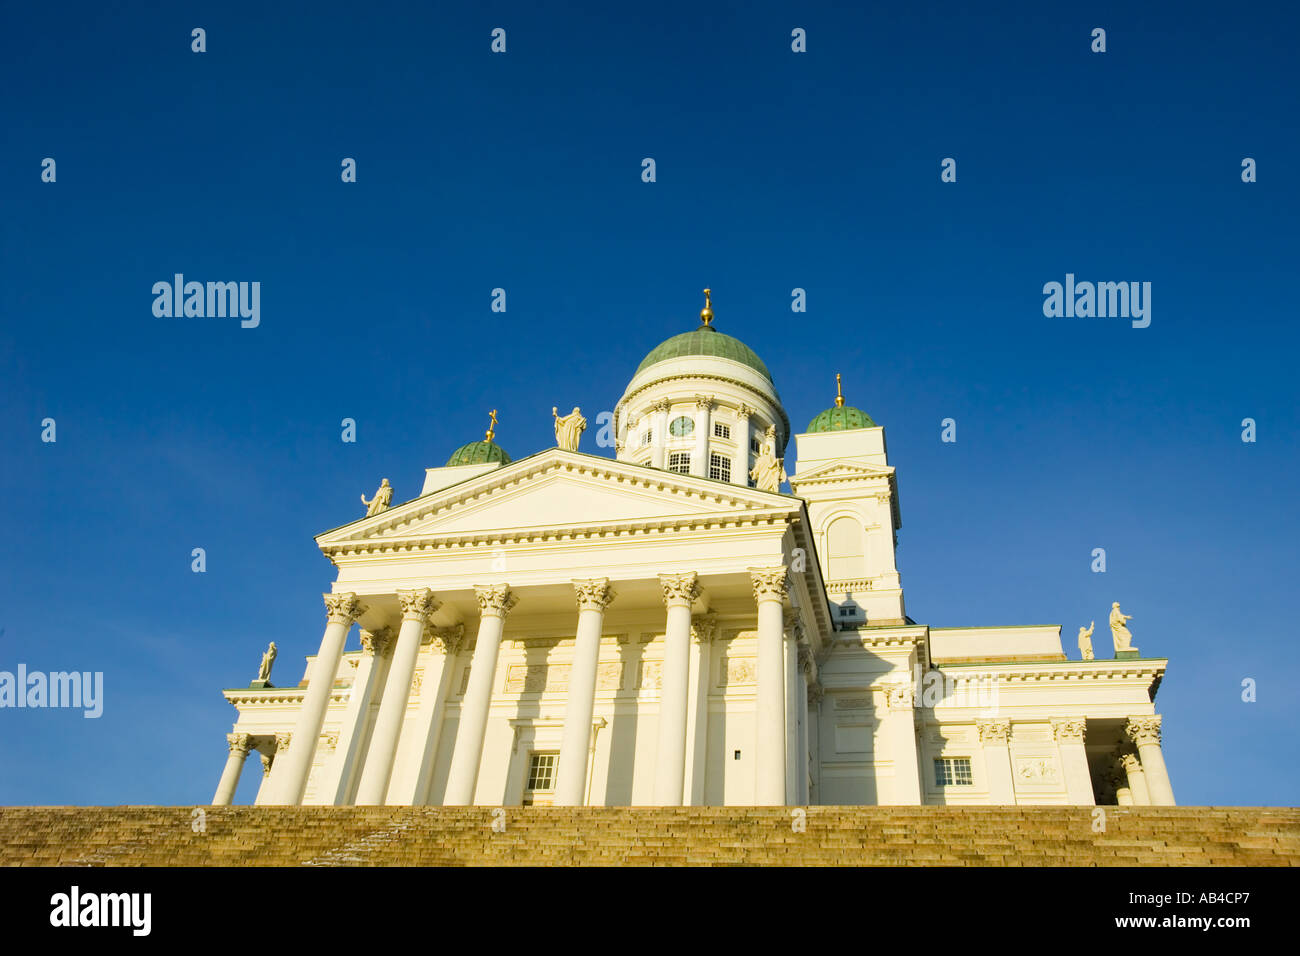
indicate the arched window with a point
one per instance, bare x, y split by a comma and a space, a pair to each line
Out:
846, 549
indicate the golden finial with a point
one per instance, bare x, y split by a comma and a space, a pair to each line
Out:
839, 392
706, 313
492, 427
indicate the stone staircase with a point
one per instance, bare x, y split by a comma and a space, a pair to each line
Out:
637, 836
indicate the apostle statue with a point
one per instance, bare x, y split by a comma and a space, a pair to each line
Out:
1122, 636
767, 471
268, 659
569, 428
1085, 641
379, 503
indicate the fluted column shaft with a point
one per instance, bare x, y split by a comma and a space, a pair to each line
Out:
1145, 733
417, 605
680, 592
770, 586
239, 746
594, 595
494, 602
343, 609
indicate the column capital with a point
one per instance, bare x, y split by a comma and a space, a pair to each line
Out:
267, 761
593, 594
705, 401
343, 607
1143, 730
378, 641
898, 697
239, 744
681, 589
815, 694
770, 584
745, 411
282, 741
446, 639
703, 628
418, 604
661, 406
1069, 728
996, 732
1130, 762
495, 600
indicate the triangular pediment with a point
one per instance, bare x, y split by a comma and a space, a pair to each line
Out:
558, 490
842, 469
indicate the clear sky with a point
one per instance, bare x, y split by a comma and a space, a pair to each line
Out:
775, 170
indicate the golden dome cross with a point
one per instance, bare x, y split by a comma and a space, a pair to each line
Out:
706, 313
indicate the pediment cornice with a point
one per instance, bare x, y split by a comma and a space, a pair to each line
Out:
683, 504
842, 471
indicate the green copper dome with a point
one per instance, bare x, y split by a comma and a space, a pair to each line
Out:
841, 419
478, 453
705, 341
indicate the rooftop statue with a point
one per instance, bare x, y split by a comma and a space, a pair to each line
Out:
268, 660
767, 471
569, 429
379, 503
1122, 636
1085, 641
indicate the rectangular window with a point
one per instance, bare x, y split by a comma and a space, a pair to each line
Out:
719, 467
645, 438
541, 771
680, 462
952, 772
721, 430
755, 446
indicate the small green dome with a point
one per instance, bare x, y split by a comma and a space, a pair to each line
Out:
705, 341
478, 453
841, 419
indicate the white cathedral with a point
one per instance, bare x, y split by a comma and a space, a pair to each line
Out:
666, 627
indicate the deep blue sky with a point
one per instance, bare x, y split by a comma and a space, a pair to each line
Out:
522, 170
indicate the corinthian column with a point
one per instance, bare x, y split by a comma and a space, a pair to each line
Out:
495, 602
680, 592
703, 435
740, 457
239, 744
995, 739
294, 766
594, 596
1145, 732
1074, 759
1137, 780
659, 439
346, 764
901, 720
770, 587
417, 605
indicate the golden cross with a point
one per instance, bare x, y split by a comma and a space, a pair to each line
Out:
706, 313
839, 392
492, 428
